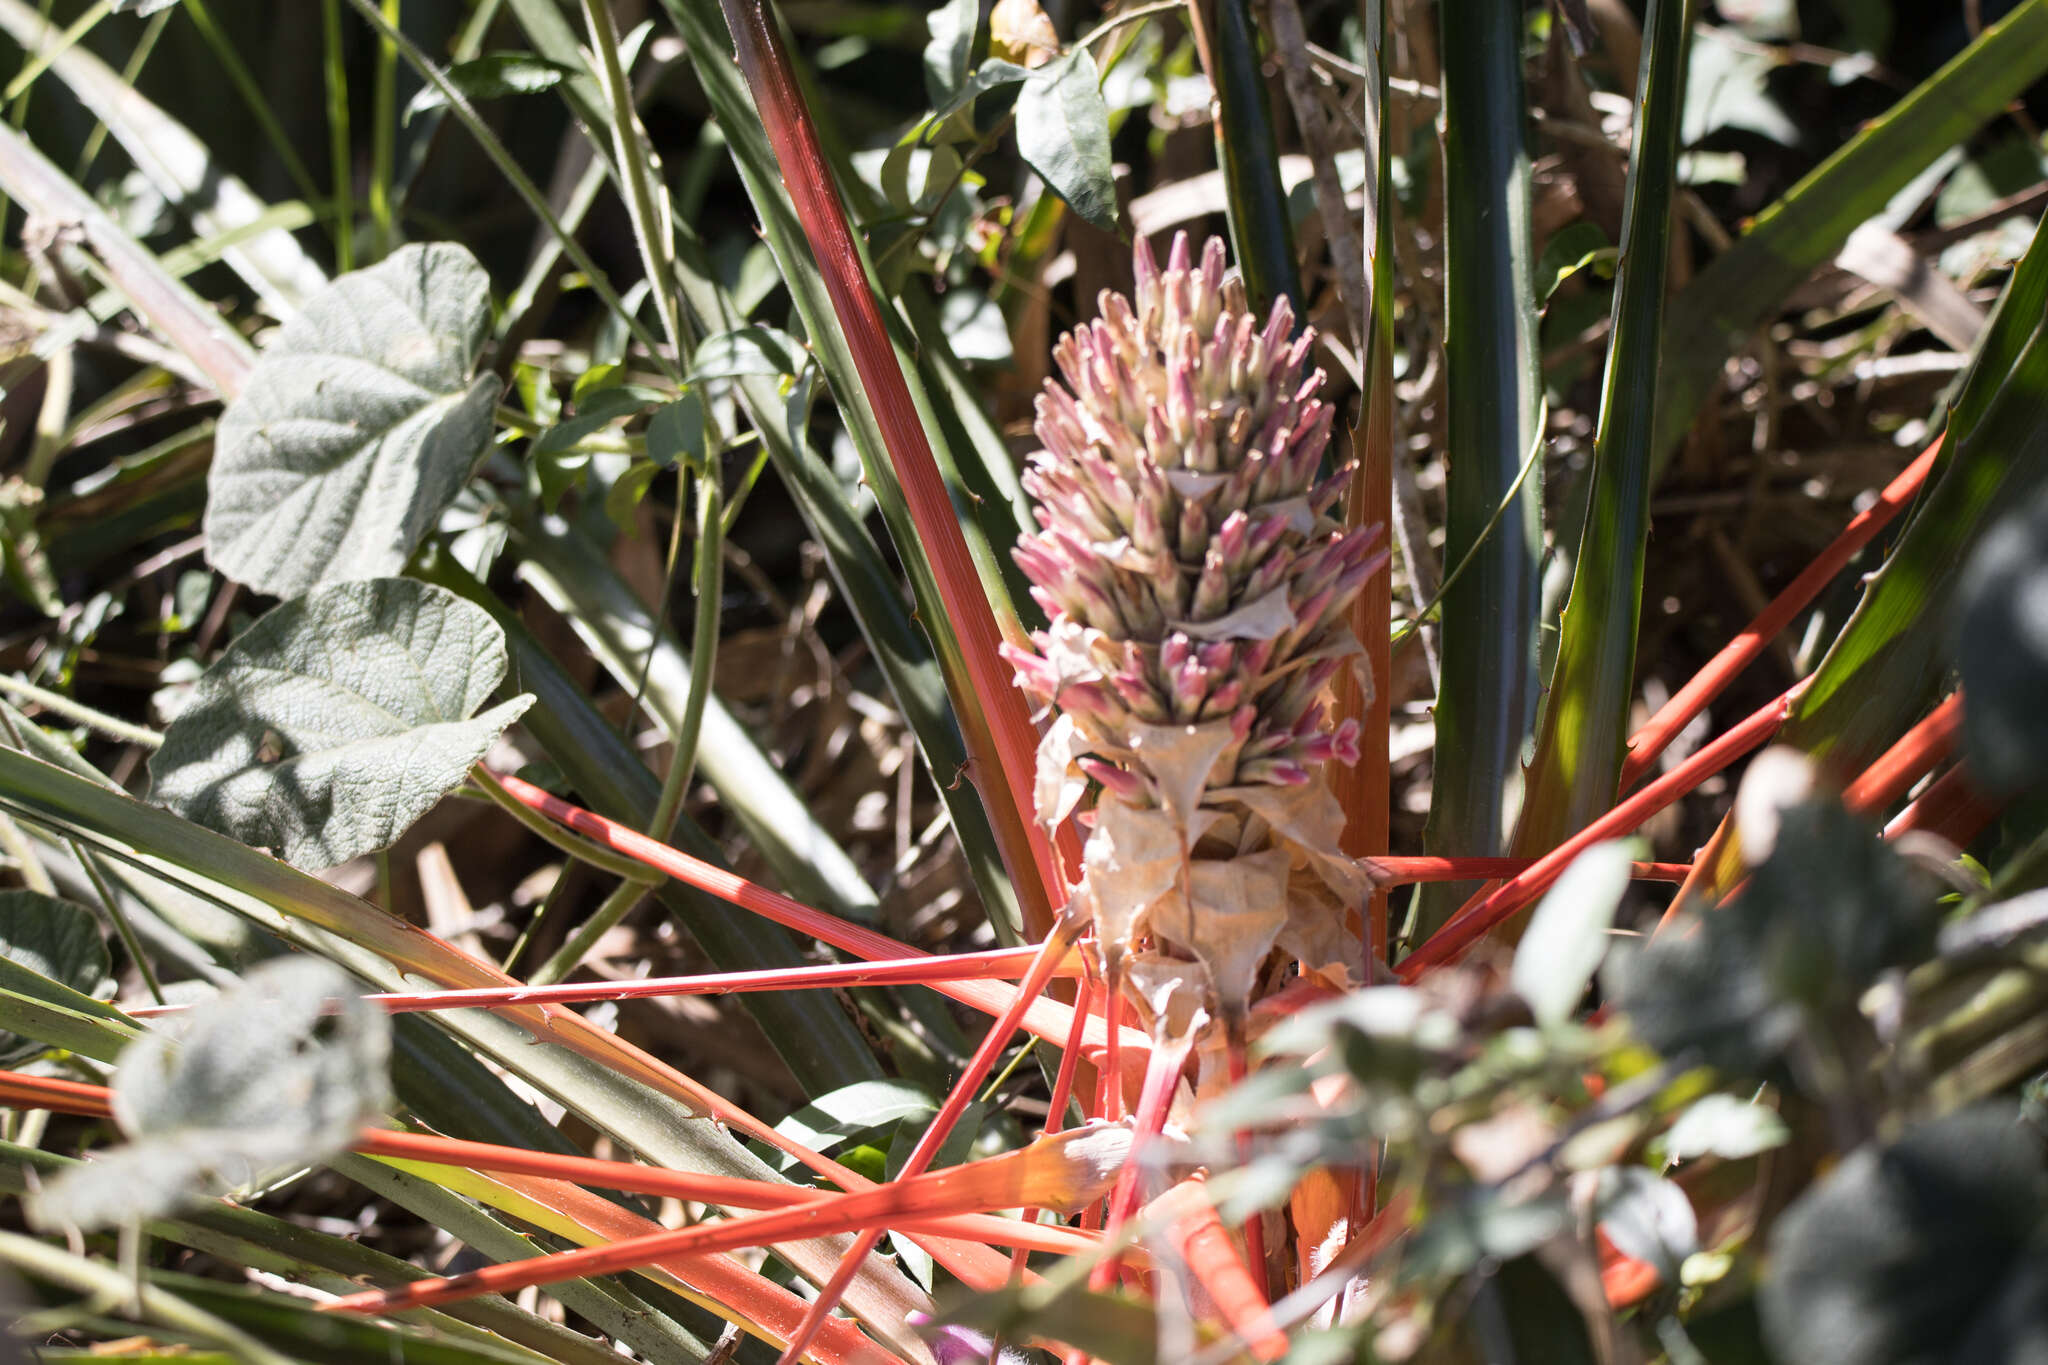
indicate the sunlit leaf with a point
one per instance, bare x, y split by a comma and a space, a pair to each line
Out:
337, 720
494, 75
360, 422
1724, 1126
830, 1119
1567, 936
1063, 134
950, 48
745, 351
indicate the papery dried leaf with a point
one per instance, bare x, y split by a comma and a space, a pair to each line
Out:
1180, 760
1265, 619
1171, 993
1308, 816
1316, 933
1133, 858
1238, 908
1019, 31
1059, 787
1310, 821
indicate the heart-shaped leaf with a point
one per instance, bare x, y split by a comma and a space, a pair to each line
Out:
337, 720
280, 1070
360, 422
53, 939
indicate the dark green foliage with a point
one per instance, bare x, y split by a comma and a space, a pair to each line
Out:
2003, 651
1829, 909
1931, 1249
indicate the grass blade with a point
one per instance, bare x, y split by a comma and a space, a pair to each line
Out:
822, 1046
641, 1102
646, 197
1487, 695
619, 631
183, 169
333, 1264
868, 586
1890, 657
103, 1282
216, 349
1581, 739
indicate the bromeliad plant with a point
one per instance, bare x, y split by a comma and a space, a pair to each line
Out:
1434, 1147
1196, 588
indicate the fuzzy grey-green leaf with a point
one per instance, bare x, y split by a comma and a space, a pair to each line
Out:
280, 1069
54, 939
360, 422
337, 720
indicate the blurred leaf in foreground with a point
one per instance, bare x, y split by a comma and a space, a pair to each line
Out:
2003, 652
278, 1071
1934, 1248
1829, 909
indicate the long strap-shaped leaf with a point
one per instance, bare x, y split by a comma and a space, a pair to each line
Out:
808, 1031
639, 1100
1253, 196
1001, 741
1885, 664
174, 310
1486, 699
868, 585
1585, 716
821, 1045
334, 1265
1882, 670
181, 167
